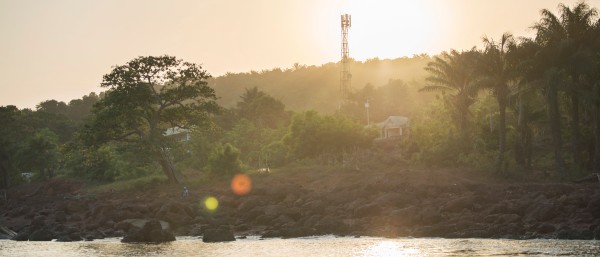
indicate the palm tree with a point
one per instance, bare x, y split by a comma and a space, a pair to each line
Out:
495, 70
567, 37
453, 73
526, 78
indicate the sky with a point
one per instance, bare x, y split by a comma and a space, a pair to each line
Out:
60, 49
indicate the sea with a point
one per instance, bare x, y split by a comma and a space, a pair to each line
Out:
309, 246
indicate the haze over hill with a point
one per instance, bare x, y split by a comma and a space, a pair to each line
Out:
304, 87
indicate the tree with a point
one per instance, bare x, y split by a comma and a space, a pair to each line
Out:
454, 73
40, 154
528, 106
9, 142
312, 135
566, 36
148, 95
262, 109
496, 71
225, 160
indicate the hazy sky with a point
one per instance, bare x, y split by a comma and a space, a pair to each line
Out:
59, 49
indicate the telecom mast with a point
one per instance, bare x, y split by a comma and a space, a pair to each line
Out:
345, 76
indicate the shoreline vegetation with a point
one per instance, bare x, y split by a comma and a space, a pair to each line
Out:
485, 144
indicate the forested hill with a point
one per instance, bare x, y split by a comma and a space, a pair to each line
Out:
317, 87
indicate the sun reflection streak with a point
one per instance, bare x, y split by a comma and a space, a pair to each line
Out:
389, 248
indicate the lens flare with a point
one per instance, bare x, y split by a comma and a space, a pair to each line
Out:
211, 203
241, 184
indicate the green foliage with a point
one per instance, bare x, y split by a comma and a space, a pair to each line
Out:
147, 96
262, 109
311, 135
95, 164
275, 154
11, 133
40, 154
225, 160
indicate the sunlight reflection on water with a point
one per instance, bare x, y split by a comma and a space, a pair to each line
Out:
314, 246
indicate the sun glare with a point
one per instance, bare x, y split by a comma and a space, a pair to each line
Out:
390, 29
389, 248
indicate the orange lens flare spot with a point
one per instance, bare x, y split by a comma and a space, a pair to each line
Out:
241, 184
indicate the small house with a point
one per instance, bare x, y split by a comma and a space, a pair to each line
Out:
179, 134
394, 127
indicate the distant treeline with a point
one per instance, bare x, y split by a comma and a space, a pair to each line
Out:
317, 88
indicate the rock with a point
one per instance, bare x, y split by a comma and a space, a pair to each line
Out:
367, 210
271, 234
22, 236
64, 238
74, 218
545, 228
330, 225
151, 232
75, 236
543, 212
38, 222
458, 204
596, 233
41, 235
594, 206
297, 232
220, 234
128, 224
60, 216
75, 207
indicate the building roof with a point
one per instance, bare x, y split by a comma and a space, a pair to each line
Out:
175, 131
395, 121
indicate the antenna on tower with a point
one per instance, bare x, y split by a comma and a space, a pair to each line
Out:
345, 76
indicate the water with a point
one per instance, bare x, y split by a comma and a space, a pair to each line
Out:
313, 246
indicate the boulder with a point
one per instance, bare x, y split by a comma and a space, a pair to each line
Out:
367, 210
151, 232
60, 216
458, 204
41, 235
594, 206
297, 232
64, 238
546, 228
220, 234
22, 235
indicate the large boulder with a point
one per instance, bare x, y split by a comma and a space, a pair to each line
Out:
151, 232
41, 235
594, 206
220, 234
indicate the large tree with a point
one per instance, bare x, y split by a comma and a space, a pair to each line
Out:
567, 37
147, 96
454, 74
496, 71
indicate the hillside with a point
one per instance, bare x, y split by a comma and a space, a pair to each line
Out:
317, 87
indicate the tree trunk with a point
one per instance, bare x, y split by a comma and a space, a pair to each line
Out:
168, 167
464, 131
520, 143
554, 116
3, 176
596, 126
501, 132
575, 131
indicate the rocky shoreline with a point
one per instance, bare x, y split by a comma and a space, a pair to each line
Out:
398, 203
